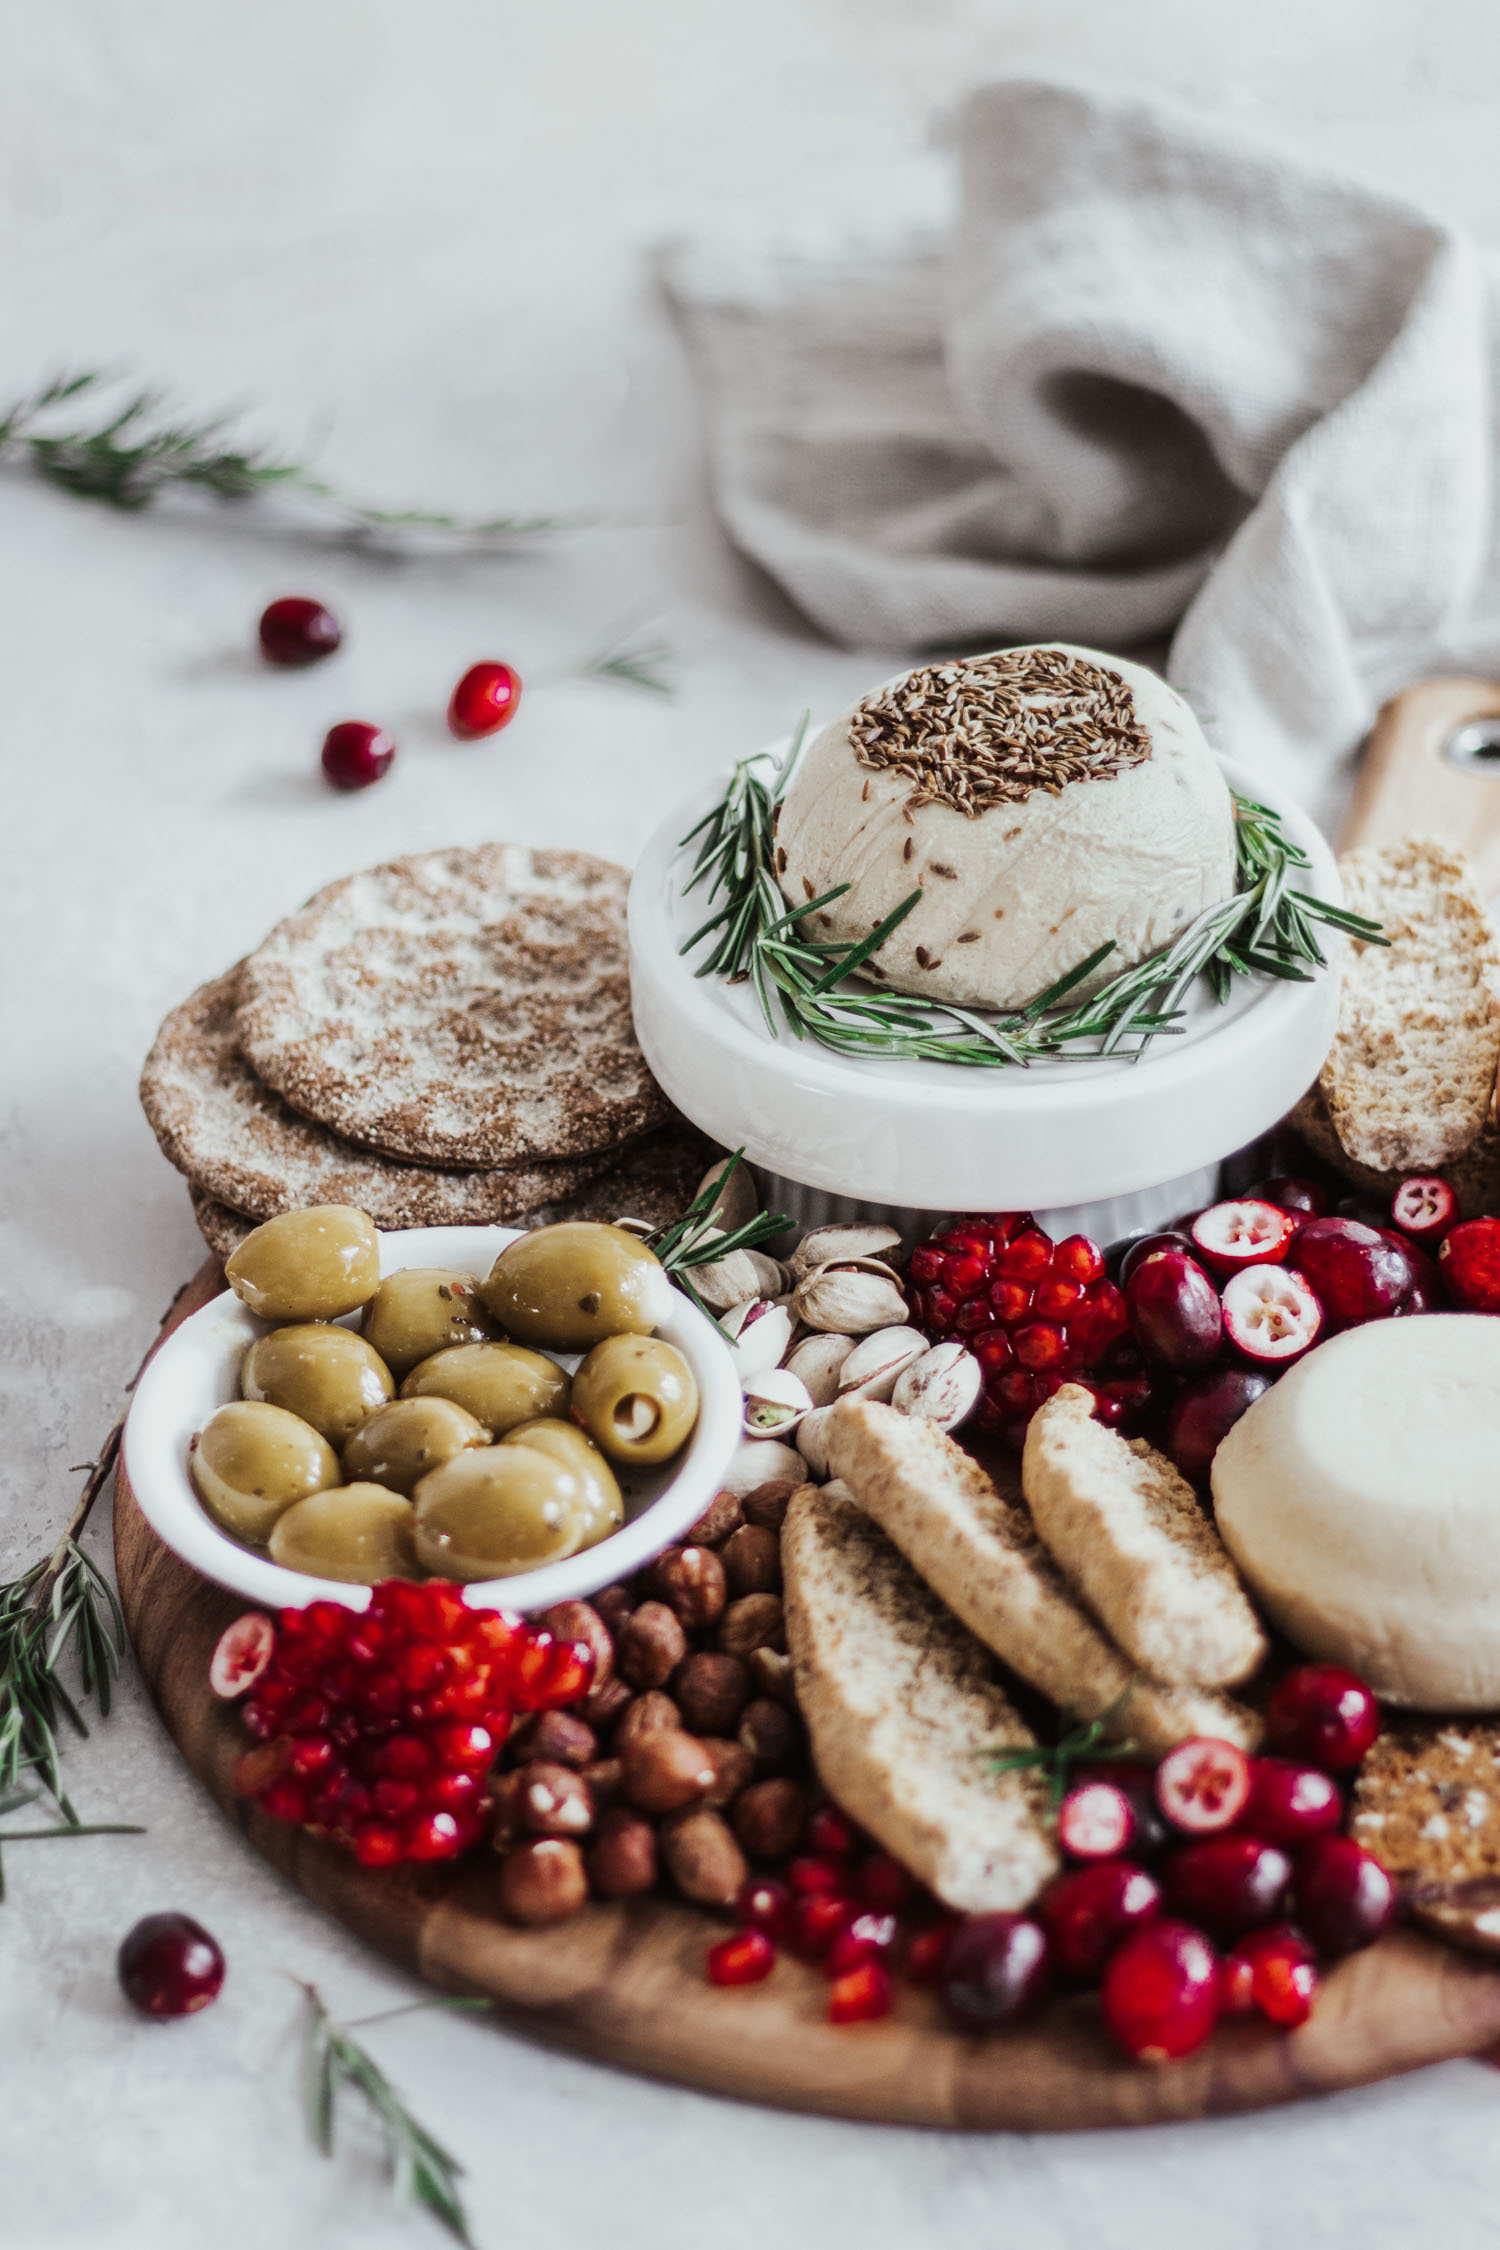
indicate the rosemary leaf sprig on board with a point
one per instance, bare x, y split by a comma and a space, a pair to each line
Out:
816, 990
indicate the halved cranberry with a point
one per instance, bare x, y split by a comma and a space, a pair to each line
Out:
997, 1969
1274, 1970
1228, 1236
1203, 1785
1289, 1802
241, 1654
1356, 1274
1342, 1896
862, 1994
1095, 1821
1271, 1315
1160, 1993
1425, 1207
1469, 1262
1289, 1191
1227, 1884
1324, 1715
356, 753
485, 699
1173, 1310
169, 1966
1204, 1412
1087, 1912
742, 1959
297, 630
1124, 1257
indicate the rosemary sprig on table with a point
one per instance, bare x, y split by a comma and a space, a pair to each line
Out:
12, 1800
137, 451
422, 2170
1268, 928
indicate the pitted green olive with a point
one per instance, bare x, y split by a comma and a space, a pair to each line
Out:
359, 1533
604, 1510
499, 1384
401, 1442
490, 1514
637, 1398
327, 1375
308, 1265
568, 1287
424, 1310
250, 1462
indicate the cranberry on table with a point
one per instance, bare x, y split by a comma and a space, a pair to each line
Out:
1173, 1309
1290, 1803
1356, 1274
356, 753
484, 701
1324, 1715
1087, 1913
1341, 1895
298, 630
170, 1966
1160, 1993
1227, 1884
997, 1969
1469, 1262
1204, 1412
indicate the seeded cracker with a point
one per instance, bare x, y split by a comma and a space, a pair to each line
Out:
1427, 1804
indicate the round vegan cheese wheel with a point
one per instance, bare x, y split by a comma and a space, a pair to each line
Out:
1361, 1500
1020, 893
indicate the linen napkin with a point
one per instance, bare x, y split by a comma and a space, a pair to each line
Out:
1155, 378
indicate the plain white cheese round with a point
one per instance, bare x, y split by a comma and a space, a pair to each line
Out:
1361, 1500
1020, 894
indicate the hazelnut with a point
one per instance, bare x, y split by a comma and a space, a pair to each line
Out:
622, 1858
557, 1736
604, 1703
771, 1671
690, 1580
603, 1778
614, 1605
645, 1714
505, 1809
580, 1621
768, 1818
767, 1505
553, 1800
702, 1857
734, 1770
752, 1560
722, 1515
770, 1735
711, 1691
652, 1644
543, 1880
662, 1771
754, 1621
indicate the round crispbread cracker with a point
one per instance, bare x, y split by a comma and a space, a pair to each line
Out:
469, 1006
1427, 1804
244, 1147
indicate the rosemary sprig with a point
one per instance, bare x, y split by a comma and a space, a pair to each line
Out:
422, 2170
63, 1602
1079, 1740
139, 451
636, 658
693, 1239
12, 1800
803, 985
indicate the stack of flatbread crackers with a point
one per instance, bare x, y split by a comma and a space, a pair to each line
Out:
445, 1040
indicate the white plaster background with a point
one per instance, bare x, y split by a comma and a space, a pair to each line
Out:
410, 233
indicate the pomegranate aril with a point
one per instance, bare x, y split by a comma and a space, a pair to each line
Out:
829, 1835
1324, 1715
1095, 1821
1236, 1986
1173, 1309
764, 1904
1077, 1258
1230, 1236
1025, 1259
1271, 1315
1342, 1896
376, 1843
1424, 1207
1227, 1884
927, 1953
927, 1264
405, 1757
463, 1749
311, 1754
1203, 1413
284, 1799
817, 1918
1290, 1803
882, 1883
868, 1937
168, 1965
1010, 1302
861, 1995
814, 1872
485, 699
745, 1958
997, 1970
356, 754
1087, 1913
1040, 1345
452, 1792
297, 630
1355, 1273
1054, 1299
1202, 1785
393, 1800
1273, 1970
434, 1835
1160, 1993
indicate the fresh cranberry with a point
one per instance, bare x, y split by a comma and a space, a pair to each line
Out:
1204, 1412
355, 754
1356, 1274
1229, 1236
298, 630
742, 1959
241, 1654
1226, 1884
484, 701
1095, 1821
861, 1995
1202, 1785
1342, 1896
1289, 1803
1323, 1715
1173, 1310
1160, 1992
1424, 1207
1469, 1262
170, 1966
1125, 1256
1290, 1192
1088, 1911
997, 1969
1274, 1970
764, 1904
1271, 1316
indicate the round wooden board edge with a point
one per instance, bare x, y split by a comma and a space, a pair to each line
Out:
624, 1982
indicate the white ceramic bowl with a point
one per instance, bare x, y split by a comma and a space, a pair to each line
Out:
197, 1369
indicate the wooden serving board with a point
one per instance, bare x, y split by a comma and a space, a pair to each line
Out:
625, 1982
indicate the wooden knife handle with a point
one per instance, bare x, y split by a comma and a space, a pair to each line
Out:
1408, 783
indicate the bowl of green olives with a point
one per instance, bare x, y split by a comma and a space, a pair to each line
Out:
532, 1415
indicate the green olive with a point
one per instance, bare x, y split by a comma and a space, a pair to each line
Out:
490, 1514
603, 1506
636, 1397
568, 1287
308, 1265
327, 1375
499, 1384
250, 1462
421, 1311
399, 1443
359, 1532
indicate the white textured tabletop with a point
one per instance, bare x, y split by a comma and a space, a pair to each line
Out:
411, 235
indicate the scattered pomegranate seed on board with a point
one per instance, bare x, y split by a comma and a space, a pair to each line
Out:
742, 1959
862, 1995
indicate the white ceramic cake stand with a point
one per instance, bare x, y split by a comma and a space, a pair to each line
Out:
1103, 1146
